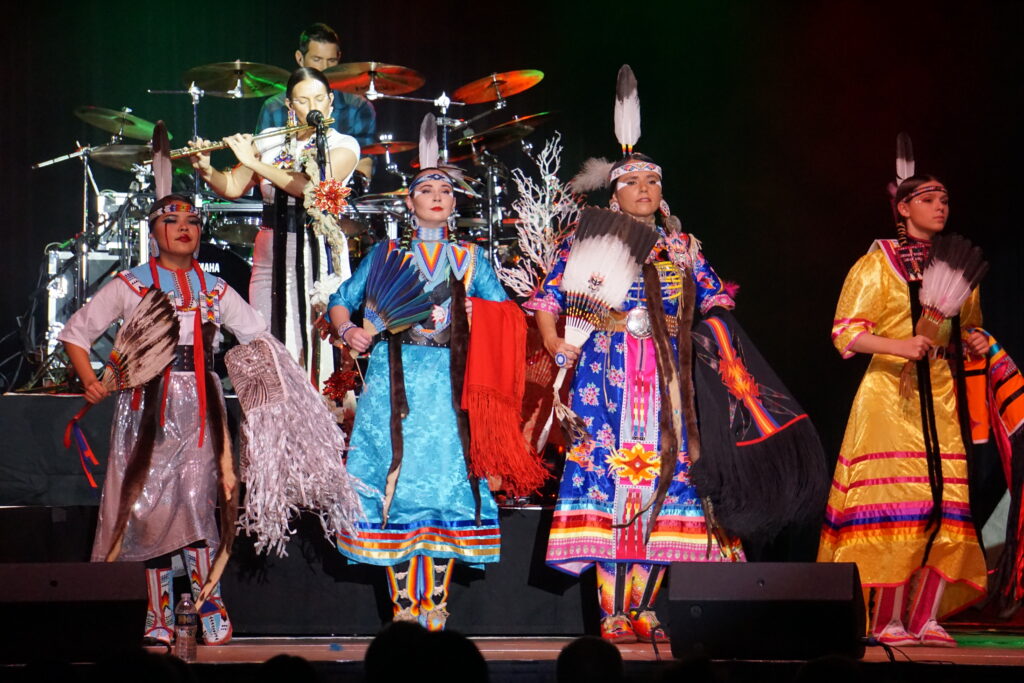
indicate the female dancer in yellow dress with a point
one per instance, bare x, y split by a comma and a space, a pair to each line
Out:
898, 511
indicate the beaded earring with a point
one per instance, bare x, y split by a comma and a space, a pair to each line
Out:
663, 207
614, 205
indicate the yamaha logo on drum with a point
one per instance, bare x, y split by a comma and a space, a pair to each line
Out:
210, 267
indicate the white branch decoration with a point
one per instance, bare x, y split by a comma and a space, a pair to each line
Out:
545, 211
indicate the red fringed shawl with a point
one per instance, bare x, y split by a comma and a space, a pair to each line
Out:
493, 396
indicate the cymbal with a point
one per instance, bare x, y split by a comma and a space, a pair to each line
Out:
221, 79
384, 196
393, 147
532, 120
492, 138
388, 79
117, 122
121, 157
508, 83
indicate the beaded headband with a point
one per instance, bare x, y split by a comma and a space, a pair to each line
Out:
923, 190
433, 175
174, 207
633, 167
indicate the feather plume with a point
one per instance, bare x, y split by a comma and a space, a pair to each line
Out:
162, 171
627, 109
428, 142
394, 297
904, 158
144, 345
593, 175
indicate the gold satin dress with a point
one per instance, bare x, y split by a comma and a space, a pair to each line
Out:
880, 498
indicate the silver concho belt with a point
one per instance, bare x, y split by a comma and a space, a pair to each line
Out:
638, 323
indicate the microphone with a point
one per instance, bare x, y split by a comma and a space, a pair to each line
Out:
316, 118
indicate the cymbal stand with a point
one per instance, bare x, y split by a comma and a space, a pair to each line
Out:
494, 191
196, 94
390, 166
82, 239
442, 102
82, 242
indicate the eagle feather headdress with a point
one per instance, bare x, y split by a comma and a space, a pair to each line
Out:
594, 173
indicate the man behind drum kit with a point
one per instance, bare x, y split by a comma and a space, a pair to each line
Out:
320, 48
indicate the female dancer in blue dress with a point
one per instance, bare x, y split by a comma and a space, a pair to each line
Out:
435, 513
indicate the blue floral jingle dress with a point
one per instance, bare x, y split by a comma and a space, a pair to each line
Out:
615, 391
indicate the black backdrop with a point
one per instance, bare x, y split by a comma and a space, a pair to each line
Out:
775, 123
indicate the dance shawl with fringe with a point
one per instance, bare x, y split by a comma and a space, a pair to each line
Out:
995, 396
761, 462
492, 396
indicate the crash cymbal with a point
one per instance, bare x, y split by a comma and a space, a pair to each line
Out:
115, 122
237, 79
384, 196
508, 83
121, 157
388, 79
532, 120
493, 138
393, 147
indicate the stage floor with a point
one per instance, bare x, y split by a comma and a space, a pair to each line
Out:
347, 650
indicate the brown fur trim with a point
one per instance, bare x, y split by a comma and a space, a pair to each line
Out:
399, 411
226, 471
137, 470
684, 343
458, 348
669, 417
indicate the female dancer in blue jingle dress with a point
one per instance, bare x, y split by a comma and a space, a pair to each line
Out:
616, 391
436, 511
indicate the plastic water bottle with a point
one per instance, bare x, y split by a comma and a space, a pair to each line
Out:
186, 623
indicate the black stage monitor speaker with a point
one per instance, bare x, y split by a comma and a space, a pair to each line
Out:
74, 611
765, 610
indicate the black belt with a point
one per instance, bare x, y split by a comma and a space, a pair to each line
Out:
441, 340
185, 361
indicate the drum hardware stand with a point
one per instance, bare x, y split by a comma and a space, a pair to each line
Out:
442, 102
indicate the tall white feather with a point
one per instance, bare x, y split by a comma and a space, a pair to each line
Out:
904, 158
627, 109
428, 142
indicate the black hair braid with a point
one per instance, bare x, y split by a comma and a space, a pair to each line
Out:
405, 239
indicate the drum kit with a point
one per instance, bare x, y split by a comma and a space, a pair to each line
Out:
113, 224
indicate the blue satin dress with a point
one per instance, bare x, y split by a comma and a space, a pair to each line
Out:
433, 511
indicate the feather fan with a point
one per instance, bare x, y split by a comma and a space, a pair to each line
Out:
607, 253
144, 345
954, 268
428, 142
395, 298
593, 175
627, 109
